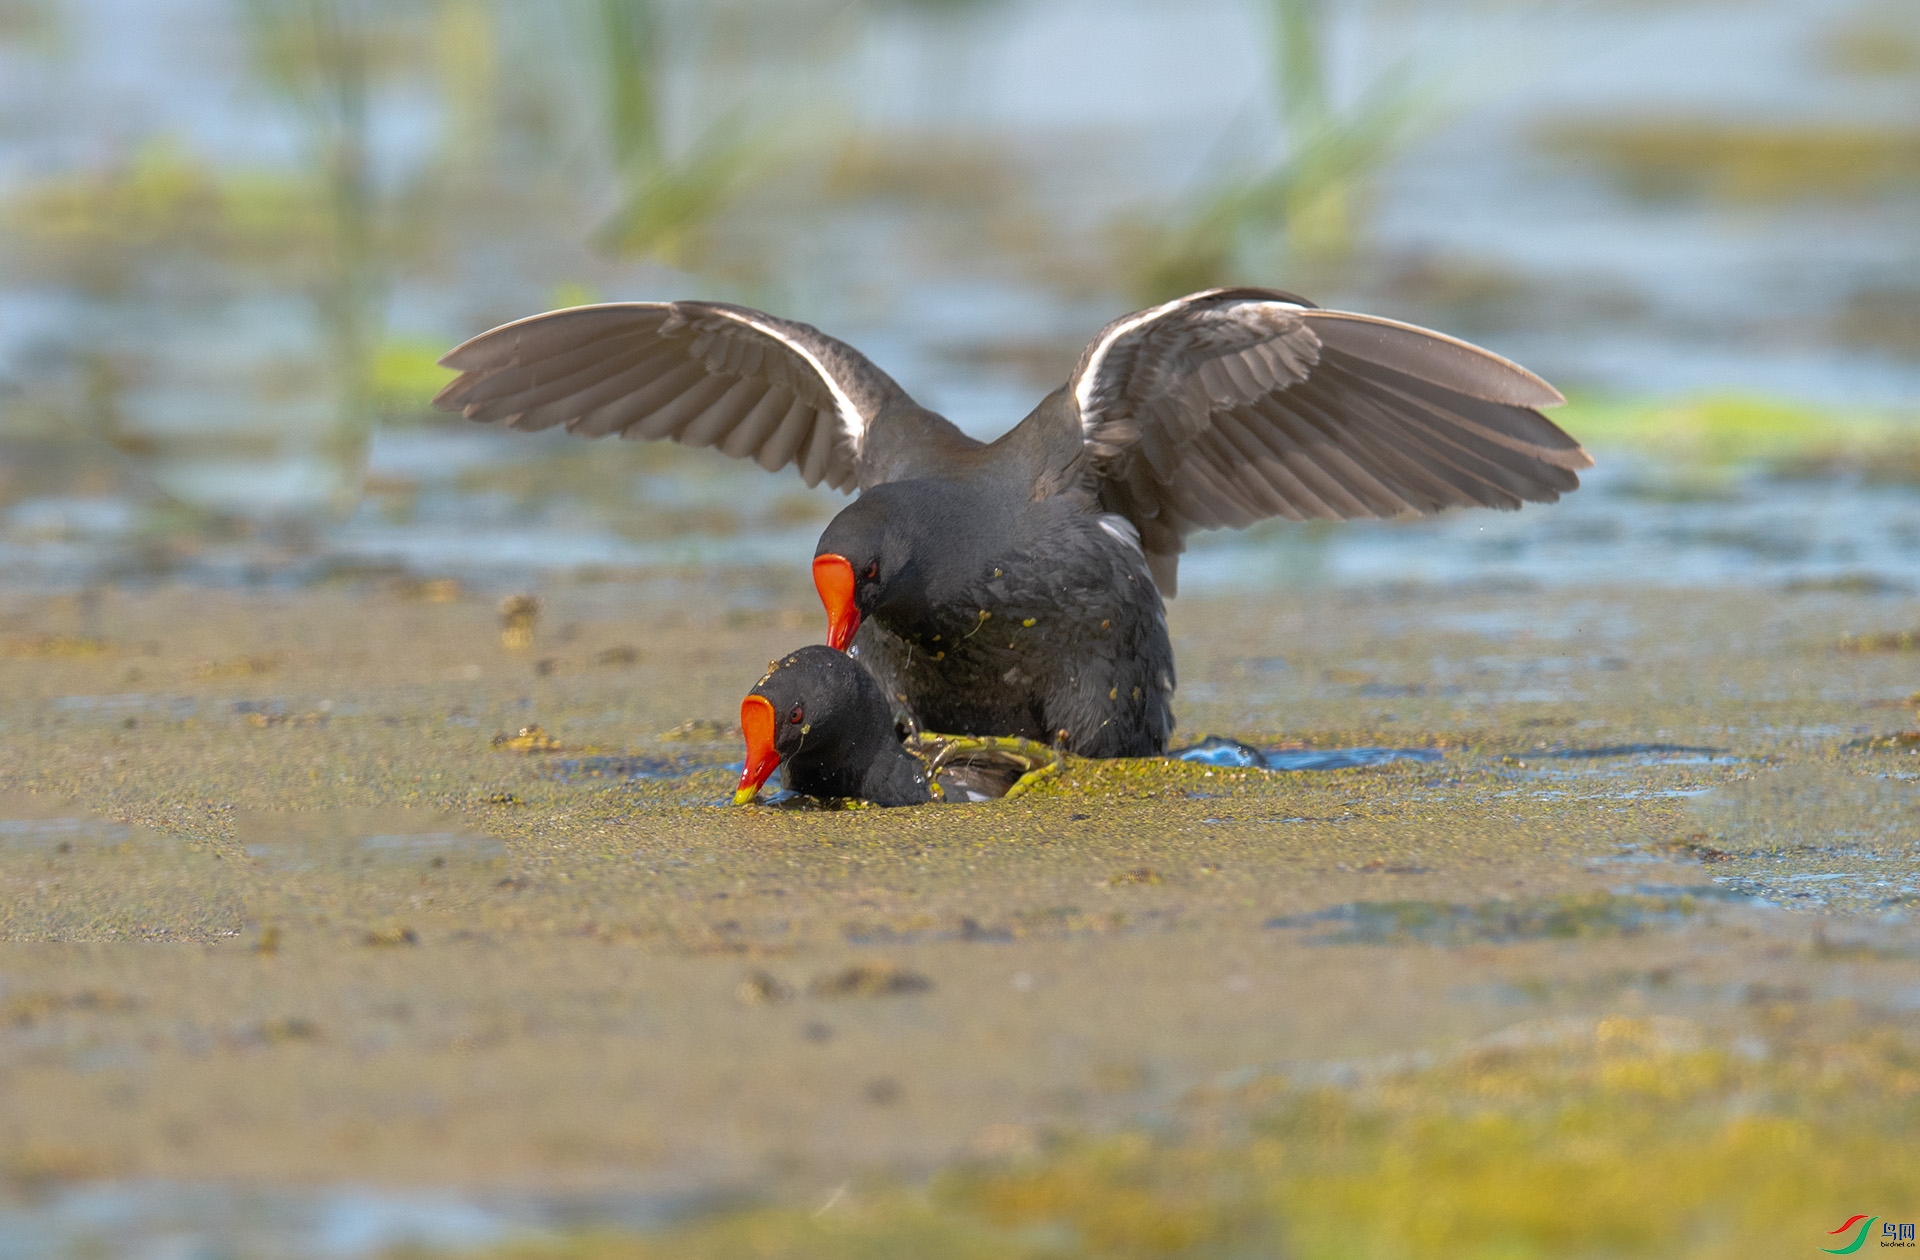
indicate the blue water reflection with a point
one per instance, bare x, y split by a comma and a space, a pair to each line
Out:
1231, 754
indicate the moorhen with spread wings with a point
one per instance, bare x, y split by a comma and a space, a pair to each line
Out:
1014, 587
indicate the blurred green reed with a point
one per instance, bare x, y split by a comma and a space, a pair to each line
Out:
665, 196
321, 57
30, 23
522, 92
1301, 208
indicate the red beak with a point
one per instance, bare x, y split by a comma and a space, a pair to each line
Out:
757, 723
833, 578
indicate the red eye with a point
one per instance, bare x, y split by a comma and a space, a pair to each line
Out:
797, 716
873, 570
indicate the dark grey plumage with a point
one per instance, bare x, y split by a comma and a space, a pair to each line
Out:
993, 613
834, 731
835, 736
1213, 411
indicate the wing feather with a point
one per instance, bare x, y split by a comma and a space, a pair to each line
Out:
1309, 457
1231, 405
1357, 430
1448, 419
819, 448
784, 444
501, 398
1258, 462
702, 373
642, 389
712, 426
540, 337
1373, 427
759, 424
616, 402
670, 418
1414, 483
1447, 362
505, 387
1360, 472
1420, 425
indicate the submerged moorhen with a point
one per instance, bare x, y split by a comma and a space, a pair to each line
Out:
823, 721
1014, 587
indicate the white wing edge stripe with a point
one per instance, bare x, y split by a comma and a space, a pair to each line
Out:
1122, 528
1083, 391
851, 419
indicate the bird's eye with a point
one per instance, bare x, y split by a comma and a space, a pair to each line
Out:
797, 716
873, 570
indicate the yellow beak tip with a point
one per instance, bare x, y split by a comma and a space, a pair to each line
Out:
745, 796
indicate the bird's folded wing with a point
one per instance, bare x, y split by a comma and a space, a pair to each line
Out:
701, 373
984, 767
1229, 406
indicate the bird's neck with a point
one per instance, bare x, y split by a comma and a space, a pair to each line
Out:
1046, 448
869, 764
907, 441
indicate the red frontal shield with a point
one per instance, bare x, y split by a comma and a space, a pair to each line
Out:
757, 722
833, 578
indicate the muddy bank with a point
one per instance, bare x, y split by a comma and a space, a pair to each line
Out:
290, 903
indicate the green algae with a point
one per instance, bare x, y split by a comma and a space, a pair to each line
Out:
1621, 1136
406, 376
1875, 41
1672, 158
1718, 431
1700, 445
167, 197
1498, 922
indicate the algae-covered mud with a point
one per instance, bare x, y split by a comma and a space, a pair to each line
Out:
311, 891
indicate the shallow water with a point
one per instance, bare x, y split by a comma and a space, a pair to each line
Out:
161, 1221
1228, 754
1480, 227
1758, 532
1506, 922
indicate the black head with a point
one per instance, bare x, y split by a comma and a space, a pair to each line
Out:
819, 713
896, 547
